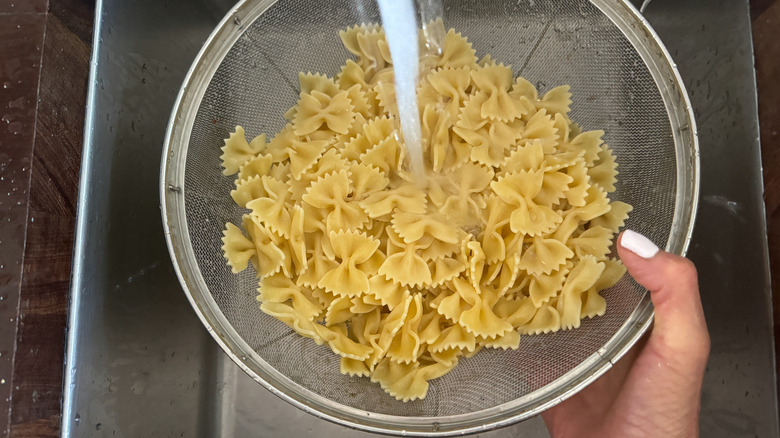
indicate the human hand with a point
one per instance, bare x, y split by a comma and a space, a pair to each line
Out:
655, 390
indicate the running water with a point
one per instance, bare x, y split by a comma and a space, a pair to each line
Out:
400, 24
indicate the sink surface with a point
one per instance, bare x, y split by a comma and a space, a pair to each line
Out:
139, 362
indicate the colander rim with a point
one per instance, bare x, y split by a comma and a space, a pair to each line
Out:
171, 189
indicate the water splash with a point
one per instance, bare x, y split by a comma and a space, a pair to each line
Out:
430, 11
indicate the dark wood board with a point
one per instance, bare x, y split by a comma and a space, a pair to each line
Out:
767, 52
51, 41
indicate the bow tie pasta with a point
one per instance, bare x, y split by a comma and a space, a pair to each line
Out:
510, 237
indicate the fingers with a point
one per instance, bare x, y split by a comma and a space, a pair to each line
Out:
664, 385
655, 390
673, 284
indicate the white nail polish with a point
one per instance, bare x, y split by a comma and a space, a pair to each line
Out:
638, 244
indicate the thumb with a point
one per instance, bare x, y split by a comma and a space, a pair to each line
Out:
672, 280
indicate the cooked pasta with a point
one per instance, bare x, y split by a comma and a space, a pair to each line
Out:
510, 237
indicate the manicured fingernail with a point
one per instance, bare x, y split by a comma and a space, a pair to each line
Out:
638, 244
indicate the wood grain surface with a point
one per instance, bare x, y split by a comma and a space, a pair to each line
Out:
52, 211
766, 21
52, 47
64, 29
21, 42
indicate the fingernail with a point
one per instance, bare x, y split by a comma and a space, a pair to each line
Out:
638, 244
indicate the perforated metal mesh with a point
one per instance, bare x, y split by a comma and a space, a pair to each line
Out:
548, 42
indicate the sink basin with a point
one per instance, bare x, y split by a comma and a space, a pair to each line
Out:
139, 362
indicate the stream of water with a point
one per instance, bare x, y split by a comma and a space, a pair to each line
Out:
400, 24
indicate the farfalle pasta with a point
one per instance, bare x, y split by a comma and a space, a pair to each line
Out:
511, 236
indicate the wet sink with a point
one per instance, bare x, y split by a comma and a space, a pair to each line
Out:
139, 362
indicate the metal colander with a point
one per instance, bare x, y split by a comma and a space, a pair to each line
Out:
622, 81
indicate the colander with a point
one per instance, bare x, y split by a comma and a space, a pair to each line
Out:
622, 80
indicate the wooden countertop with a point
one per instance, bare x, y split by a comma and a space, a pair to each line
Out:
44, 63
766, 19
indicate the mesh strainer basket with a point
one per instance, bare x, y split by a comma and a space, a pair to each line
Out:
622, 80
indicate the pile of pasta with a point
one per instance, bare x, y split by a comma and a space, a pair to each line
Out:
511, 235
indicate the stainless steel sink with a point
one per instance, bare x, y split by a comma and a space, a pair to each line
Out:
139, 363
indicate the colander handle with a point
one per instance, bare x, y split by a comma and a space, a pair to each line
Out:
640, 4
